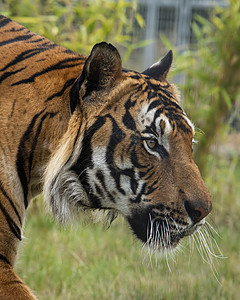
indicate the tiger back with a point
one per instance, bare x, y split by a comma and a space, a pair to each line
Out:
91, 135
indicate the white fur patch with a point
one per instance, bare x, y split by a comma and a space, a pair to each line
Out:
190, 124
62, 190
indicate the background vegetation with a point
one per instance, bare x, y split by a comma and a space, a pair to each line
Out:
92, 263
79, 25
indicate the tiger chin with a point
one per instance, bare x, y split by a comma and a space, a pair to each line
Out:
92, 136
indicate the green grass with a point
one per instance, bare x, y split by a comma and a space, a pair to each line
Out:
92, 263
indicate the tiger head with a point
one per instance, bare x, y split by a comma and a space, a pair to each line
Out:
128, 149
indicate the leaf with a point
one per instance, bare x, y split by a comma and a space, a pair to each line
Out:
226, 98
218, 23
140, 20
197, 31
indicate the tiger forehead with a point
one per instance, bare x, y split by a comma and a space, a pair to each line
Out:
153, 123
159, 121
152, 88
149, 89
142, 78
145, 99
159, 107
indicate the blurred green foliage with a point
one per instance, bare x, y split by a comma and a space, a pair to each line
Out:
212, 76
79, 25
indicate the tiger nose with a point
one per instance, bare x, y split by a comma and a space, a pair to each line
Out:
196, 211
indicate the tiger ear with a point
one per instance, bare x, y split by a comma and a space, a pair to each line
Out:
101, 71
103, 66
160, 69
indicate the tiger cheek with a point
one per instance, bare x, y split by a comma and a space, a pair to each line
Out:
121, 157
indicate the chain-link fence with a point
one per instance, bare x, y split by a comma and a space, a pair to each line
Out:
171, 18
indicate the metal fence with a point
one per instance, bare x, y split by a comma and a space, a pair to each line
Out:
172, 18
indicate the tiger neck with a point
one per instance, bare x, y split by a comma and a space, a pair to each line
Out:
54, 122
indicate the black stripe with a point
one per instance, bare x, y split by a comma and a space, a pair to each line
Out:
134, 160
154, 104
143, 174
12, 110
17, 39
2, 257
74, 93
15, 29
36, 41
151, 189
156, 86
13, 226
152, 94
161, 151
20, 163
47, 45
4, 21
11, 202
60, 93
27, 54
134, 184
150, 130
160, 207
84, 161
98, 189
101, 178
8, 74
41, 59
59, 66
136, 76
170, 104
127, 119
74, 144
162, 94
34, 143
139, 195
180, 120
117, 135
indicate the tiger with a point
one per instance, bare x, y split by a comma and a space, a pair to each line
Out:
92, 136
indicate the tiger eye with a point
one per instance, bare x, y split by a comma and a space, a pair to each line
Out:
151, 143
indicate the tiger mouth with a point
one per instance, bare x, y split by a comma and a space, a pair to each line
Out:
176, 237
160, 234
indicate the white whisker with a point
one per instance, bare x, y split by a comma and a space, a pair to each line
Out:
205, 244
210, 227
